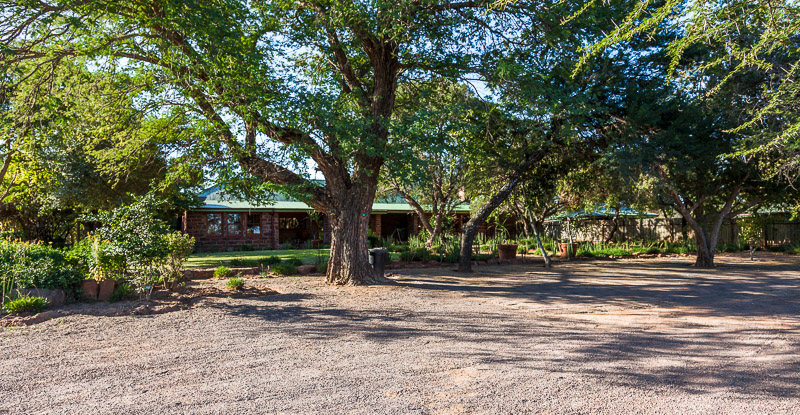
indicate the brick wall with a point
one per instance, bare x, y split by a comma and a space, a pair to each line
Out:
195, 224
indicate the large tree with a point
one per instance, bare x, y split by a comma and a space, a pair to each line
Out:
432, 135
276, 84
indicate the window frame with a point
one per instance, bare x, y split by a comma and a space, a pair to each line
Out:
221, 232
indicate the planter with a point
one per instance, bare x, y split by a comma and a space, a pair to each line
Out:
507, 251
567, 251
89, 288
105, 289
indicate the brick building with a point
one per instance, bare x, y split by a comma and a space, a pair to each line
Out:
233, 225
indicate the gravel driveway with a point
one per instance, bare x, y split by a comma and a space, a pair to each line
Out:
624, 336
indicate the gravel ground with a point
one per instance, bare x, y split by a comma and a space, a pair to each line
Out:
616, 337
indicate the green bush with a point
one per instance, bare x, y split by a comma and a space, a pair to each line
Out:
123, 291
222, 272
294, 261
398, 247
235, 283
270, 260
419, 254
26, 304
284, 268
322, 266
36, 265
482, 257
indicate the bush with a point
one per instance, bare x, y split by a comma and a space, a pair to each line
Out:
270, 260
652, 250
222, 272
36, 265
235, 283
26, 304
123, 291
419, 254
322, 266
284, 269
482, 257
294, 261
398, 247
179, 246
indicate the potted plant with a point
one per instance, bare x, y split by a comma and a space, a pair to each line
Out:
104, 267
506, 249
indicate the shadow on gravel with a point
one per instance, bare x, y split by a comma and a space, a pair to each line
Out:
695, 351
756, 289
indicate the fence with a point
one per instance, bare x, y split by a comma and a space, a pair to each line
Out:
779, 232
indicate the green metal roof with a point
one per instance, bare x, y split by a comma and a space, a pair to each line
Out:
295, 206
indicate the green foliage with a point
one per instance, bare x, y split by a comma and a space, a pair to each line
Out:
284, 269
222, 272
136, 235
294, 261
322, 265
235, 283
418, 254
178, 246
37, 265
26, 304
123, 291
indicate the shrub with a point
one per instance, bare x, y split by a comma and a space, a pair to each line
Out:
123, 291
235, 283
270, 260
652, 250
284, 269
36, 265
419, 254
398, 247
322, 266
294, 261
178, 246
482, 257
222, 272
26, 304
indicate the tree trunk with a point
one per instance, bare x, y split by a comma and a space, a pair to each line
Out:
547, 261
349, 258
477, 219
615, 222
705, 254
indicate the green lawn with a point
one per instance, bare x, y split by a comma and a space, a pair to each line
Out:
251, 258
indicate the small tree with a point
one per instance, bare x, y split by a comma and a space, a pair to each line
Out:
751, 230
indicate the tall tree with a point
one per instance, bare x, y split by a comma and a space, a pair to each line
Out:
278, 83
432, 129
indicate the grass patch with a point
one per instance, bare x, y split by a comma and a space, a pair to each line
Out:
284, 269
255, 258
26, 304
222, 272
235, 283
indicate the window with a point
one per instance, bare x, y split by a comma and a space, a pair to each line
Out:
214, 224
253, 223
234, 224
291, 223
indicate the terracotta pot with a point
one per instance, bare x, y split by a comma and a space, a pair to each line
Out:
507, 251
105, 289
89, 288
565, 251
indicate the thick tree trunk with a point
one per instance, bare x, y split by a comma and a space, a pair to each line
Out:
705, 253
349, 259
